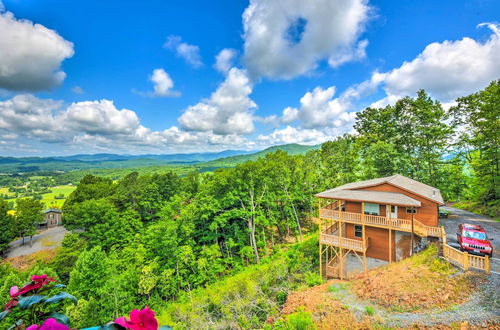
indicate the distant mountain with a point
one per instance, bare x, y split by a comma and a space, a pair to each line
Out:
204, 161
292, 149
175, 158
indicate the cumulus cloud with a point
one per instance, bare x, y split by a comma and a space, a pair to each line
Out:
309, 136
30, 116
287, 38
229, 110
447, 69
98, 126
99, 118
31, 55
162, 85
320, 108
224, 60
190, 53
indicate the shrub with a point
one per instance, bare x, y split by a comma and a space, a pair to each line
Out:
312, 279
300, 320
369, 310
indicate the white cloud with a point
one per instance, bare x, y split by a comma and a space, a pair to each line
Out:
300, 135
190, 53
448, 69
77, 90
229, 110
287, 38
224, 60
99, 118
349, 54
163, 84
319, 109
289, 115
29, 116
97, 126
31, 55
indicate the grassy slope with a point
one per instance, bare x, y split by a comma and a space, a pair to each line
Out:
50, 200
292, 149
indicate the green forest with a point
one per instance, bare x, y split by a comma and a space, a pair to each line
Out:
225, 247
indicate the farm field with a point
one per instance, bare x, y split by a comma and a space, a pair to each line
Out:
50, 199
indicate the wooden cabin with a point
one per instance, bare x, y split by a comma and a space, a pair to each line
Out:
381, 218
52, 217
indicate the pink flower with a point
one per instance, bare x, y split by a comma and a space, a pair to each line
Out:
42, 279
37, 281
13, 290
49, 324
139, 320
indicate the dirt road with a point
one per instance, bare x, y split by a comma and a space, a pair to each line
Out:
47, 239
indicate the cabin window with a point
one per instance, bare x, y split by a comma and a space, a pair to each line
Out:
358, 231
411, 210
371, 208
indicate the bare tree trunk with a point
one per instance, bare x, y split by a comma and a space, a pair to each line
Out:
251, 225
295, 214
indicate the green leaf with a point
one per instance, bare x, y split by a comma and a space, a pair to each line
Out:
27, 302
60, 296
3, 314
60, 318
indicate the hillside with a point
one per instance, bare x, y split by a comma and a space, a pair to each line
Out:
202, 161
291, 149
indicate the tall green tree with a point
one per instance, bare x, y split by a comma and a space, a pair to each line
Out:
7, 232
477, 118
28, 216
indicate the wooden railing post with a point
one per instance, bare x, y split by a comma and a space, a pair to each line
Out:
465, 260
487, 265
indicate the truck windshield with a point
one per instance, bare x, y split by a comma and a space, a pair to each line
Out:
474, 234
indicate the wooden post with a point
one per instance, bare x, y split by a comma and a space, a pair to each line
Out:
320, 260
364, 235
411, 238
465, 260
390, 245
341, 259
487, 265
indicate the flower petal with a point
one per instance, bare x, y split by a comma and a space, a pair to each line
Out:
135, 316
122, 321
13, 290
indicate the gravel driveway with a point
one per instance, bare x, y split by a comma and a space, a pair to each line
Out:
491, 226
46, 239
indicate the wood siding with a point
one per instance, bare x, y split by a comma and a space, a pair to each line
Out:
427, 213
378, 244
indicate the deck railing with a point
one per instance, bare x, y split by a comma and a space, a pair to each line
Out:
465, 260
381, 221
344, 242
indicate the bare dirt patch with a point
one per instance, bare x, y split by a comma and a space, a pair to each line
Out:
422, 282
24, 262
327, 312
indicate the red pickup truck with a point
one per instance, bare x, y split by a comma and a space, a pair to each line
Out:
473, 239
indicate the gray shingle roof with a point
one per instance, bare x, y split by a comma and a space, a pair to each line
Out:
400, 181
379, 197
52, 210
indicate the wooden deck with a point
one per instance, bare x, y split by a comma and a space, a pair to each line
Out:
343, 242
381, 222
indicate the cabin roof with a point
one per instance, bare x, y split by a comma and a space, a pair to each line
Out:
397, 180
370, 196
52, 210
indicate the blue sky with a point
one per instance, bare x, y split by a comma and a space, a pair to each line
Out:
142, 76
